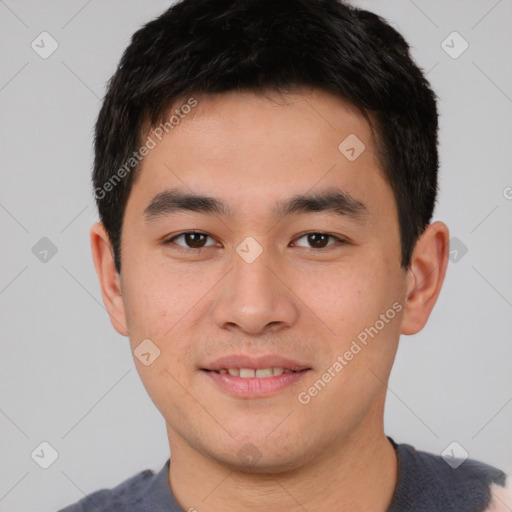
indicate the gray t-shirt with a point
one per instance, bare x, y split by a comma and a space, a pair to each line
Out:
426, 483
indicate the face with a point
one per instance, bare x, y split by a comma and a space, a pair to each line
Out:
293, 264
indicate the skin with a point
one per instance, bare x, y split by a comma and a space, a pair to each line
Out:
299, 300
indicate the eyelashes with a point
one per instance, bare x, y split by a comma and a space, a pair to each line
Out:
195, 241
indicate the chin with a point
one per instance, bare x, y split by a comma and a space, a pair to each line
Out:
272, 466
262, 455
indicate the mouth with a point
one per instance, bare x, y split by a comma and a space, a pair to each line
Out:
254, 377
247, 366
251, 373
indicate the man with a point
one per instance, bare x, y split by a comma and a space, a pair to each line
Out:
266, 174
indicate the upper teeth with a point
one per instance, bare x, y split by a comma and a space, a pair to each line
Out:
248, 373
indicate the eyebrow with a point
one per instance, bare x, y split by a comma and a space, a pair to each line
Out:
332, 200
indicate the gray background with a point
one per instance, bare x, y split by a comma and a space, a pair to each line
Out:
68, 378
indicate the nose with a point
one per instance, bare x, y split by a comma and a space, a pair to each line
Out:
254, 298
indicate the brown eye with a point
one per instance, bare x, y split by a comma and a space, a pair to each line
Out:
317, 240
195, 240
191, 240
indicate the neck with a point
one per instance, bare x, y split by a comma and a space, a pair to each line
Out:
338, 480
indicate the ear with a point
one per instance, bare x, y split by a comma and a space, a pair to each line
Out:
425, 276
110, 280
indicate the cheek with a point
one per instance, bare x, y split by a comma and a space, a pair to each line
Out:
160, 306
345, 296
155, 300
156, 307
349, 300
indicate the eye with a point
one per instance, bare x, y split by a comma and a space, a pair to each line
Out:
317, 240
191, 240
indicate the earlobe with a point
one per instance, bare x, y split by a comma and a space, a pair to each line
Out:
425, 277
110, 281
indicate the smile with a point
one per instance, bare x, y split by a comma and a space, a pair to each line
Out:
254, 383
248, 373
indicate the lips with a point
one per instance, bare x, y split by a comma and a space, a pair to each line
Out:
254, 377
255, 366
250, 373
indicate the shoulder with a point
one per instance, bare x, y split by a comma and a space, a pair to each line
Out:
428, 482
127, 493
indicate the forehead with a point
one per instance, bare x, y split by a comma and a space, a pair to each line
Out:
243, 123
250, 149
